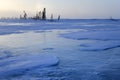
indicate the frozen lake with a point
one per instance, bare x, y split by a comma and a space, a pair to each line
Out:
65, 50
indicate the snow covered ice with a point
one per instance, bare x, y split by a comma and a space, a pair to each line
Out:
20, 63
100, 40
59, 50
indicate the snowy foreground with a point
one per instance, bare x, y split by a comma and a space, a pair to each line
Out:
59, 50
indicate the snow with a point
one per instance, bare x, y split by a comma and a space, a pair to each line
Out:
99, 45
87, 49
96, 39
94, 35
22, 63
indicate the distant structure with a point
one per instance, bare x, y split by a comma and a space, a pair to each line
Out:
20, 17
25, 15
40, 15
58, 17
113, 19
44, 14
37, 16
51, 17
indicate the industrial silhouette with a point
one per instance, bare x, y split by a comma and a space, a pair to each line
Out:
41, 15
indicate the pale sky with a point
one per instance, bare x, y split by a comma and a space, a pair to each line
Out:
66, 8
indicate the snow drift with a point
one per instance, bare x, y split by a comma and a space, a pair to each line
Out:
14, 65
96, 40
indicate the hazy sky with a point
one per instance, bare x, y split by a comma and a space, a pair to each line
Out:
66, 8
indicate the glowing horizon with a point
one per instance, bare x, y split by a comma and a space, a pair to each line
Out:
66, 8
